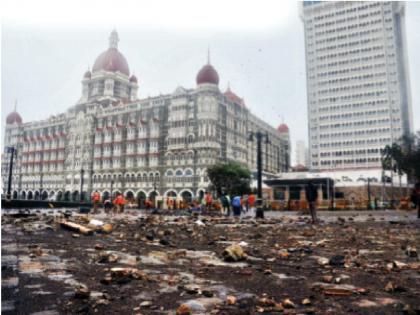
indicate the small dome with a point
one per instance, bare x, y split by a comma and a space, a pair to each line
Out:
207, 74
283, 128
133, 79
233, 97
13, 117
87, 75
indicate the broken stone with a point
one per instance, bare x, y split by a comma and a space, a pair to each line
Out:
323, 261
327, 278
81, 292
411, 252
183, 310
306, 302
99, 246
107, 258
337, 260
107, 228
146, 304
287, 303
230, 300
233, 253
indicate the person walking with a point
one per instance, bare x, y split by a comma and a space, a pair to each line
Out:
96, 198
225, 205
236, 205
107, 205
312, 196
415, 198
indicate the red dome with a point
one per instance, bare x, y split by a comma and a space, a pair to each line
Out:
233, 97
207, 74
87, 75
283, 128
111, 60
13, 117
133, 79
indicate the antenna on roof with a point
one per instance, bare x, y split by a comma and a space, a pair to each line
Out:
15, 104
208, 55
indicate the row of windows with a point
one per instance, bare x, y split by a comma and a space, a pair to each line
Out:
353, 106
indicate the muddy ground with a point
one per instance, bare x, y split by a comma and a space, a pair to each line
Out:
153, 264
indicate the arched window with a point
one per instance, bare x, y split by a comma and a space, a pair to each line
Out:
188, 172
169, 173
190, 138
178, 173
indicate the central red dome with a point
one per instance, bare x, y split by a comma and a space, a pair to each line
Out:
112, 60
207, 74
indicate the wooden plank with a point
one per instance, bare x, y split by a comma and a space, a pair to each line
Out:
76, 227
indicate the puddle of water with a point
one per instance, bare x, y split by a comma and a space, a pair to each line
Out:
10, 282
8, 260
48, 312
34, 286
7, 306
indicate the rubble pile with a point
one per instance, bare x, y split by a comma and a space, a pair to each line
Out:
154, 264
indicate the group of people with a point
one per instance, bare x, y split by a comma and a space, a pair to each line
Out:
115, 206
238, 204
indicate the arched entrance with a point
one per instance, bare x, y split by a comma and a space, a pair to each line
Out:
105, 195
67, 196
15, 195
141, 198
30, 195
129, 195
23, 194
75, 195
37, 196
186, 196
171, 193
44, 195
59, 196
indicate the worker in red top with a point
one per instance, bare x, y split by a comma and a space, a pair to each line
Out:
119, 202
96, 198
209, 200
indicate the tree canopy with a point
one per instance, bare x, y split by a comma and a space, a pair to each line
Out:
231, 178
404, 157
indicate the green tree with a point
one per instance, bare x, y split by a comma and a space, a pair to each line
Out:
404, 157
232, 178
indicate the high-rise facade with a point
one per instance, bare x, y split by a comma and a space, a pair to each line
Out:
301, 154
358, 87
112, 141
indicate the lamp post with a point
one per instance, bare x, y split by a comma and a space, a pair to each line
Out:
112, 185
368, 191
82, 173
12, 151
259, 213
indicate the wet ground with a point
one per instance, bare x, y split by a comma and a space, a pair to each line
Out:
351, 263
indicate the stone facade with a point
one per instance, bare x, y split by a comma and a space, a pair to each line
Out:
158, 145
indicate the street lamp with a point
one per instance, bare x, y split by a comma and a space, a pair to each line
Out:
260, 136
112, 185
12, 150
82, 173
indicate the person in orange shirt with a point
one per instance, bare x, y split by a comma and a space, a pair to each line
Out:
119, 202
209, 200
251, 202
96, 198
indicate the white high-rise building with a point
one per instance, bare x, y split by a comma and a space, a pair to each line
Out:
358, 85
301, 154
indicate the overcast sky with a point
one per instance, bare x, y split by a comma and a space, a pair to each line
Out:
47, 46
